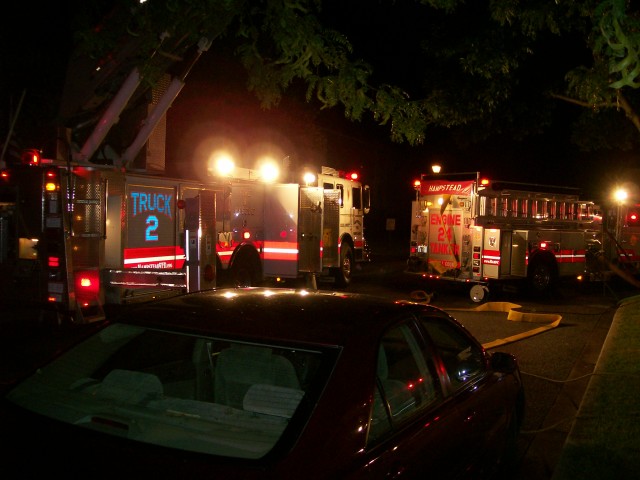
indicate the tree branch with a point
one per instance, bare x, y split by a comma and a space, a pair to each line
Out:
621, 103
629, 111
582, 103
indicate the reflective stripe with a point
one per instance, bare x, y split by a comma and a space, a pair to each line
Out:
286, 251
491, 257
571, 256
169, 257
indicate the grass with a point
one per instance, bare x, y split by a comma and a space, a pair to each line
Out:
604, 442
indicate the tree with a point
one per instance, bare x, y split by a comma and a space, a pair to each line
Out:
279, 42
481, 66
611, 81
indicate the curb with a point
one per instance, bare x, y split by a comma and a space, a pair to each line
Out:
604, 440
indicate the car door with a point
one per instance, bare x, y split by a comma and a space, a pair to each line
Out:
413, 430
478, 395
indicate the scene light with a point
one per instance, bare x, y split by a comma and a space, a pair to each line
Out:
620, 195
223, 164
309, 178
269, 172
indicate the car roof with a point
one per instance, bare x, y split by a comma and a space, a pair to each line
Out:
289, 315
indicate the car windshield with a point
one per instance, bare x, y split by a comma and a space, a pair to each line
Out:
196, 393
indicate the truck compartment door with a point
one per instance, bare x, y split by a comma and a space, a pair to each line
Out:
280, 232
310, 229
331, 229
519, 254
491, 253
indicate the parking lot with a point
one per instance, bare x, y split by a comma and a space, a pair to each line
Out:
555, 362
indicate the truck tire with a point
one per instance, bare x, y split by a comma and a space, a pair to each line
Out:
342, 274
542, 276
478, 293
246, 270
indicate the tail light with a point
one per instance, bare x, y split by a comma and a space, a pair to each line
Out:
87, 287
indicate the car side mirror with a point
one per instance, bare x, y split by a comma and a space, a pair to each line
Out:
503, 362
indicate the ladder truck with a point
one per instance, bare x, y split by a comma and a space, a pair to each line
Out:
85, 225
78, 238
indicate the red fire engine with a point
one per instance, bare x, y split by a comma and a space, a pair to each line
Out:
280, 231
81, 236
467, 229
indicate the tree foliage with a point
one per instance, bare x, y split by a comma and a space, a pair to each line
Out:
281, 42
489, 65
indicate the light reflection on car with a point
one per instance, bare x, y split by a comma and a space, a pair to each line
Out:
268, 383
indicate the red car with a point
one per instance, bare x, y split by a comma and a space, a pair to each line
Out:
269, 383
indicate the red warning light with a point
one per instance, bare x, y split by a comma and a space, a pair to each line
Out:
352, 176
87, 286
246, 235
31, 157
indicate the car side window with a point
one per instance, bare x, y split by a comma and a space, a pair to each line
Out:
463, 359
405, 381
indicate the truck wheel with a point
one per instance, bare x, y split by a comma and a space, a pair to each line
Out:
342, 274
542, 277
246, 272
478, 293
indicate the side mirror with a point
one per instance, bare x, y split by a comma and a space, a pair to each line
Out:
504, 362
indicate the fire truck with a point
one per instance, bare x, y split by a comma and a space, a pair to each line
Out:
283, 231
468, 229
94, 222
80, 237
